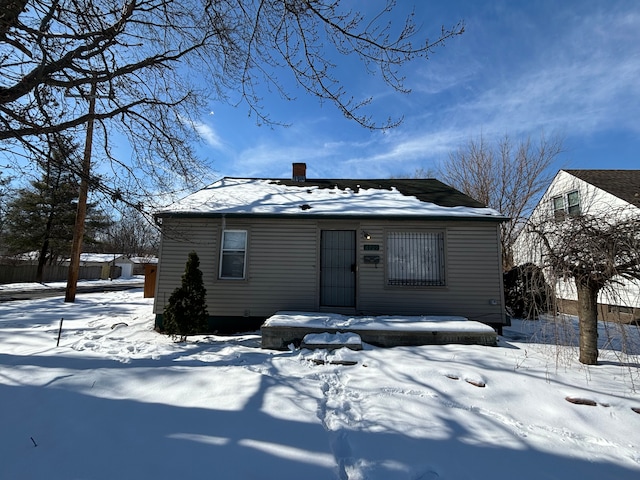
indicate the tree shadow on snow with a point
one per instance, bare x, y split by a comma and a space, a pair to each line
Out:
82, 436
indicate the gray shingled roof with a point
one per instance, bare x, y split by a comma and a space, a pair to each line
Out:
624, 184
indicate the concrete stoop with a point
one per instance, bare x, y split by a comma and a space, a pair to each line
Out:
279, 337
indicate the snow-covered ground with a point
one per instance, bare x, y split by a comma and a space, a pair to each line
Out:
118, 401
34, 287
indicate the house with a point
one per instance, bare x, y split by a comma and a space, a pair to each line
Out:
140, 263
374, 247
601, 193
113, 265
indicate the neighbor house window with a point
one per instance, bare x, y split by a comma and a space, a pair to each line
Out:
568, 204
415, 258
233, 254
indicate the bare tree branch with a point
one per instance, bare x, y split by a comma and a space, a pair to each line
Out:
592, 251
508, 176
155, 63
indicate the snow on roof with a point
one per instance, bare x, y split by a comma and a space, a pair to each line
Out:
147, 259
327, 197
33, 255
101, 257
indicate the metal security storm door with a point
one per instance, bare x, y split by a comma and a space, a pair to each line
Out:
338, 268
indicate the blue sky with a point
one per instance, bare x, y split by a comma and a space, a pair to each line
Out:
522, 68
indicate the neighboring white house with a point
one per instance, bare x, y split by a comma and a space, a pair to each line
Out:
605, 193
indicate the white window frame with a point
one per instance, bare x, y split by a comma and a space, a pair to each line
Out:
415, 258
227, 251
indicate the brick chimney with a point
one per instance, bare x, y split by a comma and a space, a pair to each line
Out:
299, 172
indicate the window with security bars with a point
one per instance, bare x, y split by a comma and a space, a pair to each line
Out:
415, 258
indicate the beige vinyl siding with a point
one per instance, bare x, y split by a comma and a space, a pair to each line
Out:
283, 262
179, 238
281, 270
472, 269
280, 267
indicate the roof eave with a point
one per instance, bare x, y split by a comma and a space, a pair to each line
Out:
342, 216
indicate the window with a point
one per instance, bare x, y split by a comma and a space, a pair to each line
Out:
564, 205
558, 207
233, 254
415, 258
573, 203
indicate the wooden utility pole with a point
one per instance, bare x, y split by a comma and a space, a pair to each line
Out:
81, 215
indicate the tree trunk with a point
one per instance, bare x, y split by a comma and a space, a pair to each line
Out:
42, 260
588, 319
45, 247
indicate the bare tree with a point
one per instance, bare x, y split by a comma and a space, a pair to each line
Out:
594, 252
140, 54
420, 172
508, 176
131, 234
132, 65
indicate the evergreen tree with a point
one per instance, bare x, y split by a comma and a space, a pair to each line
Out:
41, 216
186, 312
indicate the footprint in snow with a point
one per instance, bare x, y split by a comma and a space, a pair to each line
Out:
475, 383
584, 401
472, 381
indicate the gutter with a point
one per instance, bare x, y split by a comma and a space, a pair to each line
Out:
481, 218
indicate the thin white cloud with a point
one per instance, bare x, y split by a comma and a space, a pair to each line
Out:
208, 134
583, 82
585, 79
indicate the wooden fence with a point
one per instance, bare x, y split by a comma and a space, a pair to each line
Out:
51, 273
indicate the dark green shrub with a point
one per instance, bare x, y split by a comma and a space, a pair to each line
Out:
526, 292
186, 312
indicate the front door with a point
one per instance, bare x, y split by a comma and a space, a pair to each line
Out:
338, 268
